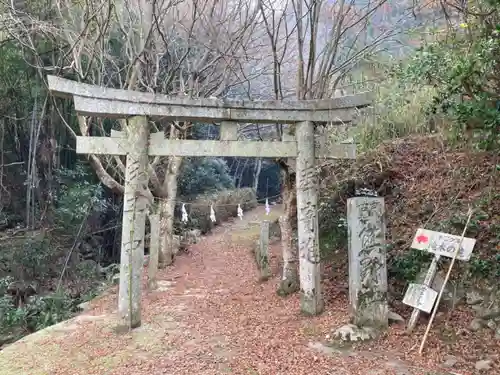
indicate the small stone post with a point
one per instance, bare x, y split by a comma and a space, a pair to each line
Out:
263, 251
134, 221
311, 300
367, 262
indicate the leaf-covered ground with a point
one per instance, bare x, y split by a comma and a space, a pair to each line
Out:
211, 316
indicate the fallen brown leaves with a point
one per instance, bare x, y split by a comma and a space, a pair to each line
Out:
216, 318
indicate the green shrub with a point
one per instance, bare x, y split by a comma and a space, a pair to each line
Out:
39, 311
28, 256
464, 70
405, 266
45, 311
225, 204
484, 268
399, 110
332, 229
199, 175
75, 198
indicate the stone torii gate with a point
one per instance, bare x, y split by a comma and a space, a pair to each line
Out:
137, 144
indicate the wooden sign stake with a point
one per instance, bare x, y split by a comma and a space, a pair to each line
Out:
457, 250
429, 278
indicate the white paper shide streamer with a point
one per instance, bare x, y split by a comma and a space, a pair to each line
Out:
240, 212
268, 208
184, 218
212, 214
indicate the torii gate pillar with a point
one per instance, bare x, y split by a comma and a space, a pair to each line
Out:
311, 299
134, 220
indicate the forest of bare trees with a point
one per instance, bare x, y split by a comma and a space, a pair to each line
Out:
183, 48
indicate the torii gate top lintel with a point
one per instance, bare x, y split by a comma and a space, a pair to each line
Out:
91, 100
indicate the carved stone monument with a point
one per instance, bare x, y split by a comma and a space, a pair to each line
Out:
367, 262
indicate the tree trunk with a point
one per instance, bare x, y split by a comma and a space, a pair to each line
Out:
240, 179
154, 247
95, 162
288, 225
235, 176
256, 174
167, 210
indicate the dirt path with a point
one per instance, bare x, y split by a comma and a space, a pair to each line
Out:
209, 316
